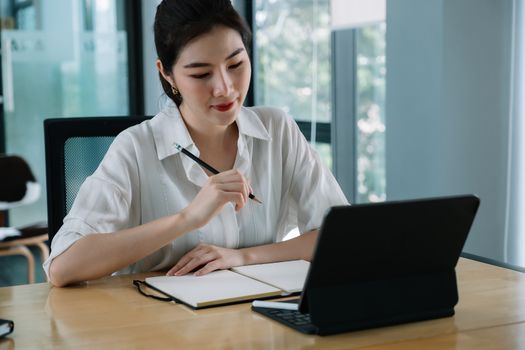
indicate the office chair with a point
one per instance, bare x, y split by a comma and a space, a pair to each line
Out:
74, 148
18, 187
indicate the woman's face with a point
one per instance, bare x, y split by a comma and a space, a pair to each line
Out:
212, 75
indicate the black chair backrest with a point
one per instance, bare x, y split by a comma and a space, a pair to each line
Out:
74, 148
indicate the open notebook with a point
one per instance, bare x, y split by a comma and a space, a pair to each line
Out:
237, 284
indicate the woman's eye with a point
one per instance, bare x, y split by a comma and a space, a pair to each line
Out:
200, 76
236, 65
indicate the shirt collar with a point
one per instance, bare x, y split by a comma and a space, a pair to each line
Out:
169, 128
249, 124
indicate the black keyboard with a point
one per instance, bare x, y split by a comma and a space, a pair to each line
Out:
291, 318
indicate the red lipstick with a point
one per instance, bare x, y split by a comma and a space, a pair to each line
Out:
224, 107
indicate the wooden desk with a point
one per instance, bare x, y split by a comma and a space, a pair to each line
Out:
111, 314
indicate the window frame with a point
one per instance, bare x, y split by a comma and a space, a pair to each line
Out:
323, 129
133, 24
344, 113
343, 124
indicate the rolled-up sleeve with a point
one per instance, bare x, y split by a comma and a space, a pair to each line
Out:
313, 187
99, 208
102, 204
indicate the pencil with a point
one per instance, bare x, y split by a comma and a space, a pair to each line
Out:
207, 166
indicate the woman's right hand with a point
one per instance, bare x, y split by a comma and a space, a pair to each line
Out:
229, 186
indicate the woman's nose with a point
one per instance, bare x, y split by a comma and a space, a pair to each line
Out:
222, 85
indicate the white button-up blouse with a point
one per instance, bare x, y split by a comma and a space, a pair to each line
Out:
144, 177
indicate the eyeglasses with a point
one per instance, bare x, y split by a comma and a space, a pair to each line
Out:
143, 285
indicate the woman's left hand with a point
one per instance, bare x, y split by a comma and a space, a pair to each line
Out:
209, 258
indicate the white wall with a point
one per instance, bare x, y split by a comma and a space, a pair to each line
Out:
447, 110
356, 13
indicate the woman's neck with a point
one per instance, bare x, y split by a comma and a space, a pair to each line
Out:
217, 144
220, 139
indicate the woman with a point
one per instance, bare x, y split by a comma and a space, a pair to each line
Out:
150, 207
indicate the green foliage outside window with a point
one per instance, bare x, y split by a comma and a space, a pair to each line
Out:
370, 102
293, 72
293, 57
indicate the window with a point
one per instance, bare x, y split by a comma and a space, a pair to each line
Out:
370, 113
292, 64
67, 58
293, 70
359, 72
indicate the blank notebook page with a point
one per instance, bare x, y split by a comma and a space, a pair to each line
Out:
286, 275
224, 286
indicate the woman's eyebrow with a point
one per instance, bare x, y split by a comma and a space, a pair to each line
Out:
201, 64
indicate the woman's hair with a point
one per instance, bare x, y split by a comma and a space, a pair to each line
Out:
177, 22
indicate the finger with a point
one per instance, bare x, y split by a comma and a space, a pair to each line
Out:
247, 191
177, 266
247, 187
227, 179
237, 199
181, 270
232, 175
175, 269
250, 189
209, 267
231, 186
235, 187
185, 259
231, 193
234, 172
194, 263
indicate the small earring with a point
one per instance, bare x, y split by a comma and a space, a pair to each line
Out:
174, 91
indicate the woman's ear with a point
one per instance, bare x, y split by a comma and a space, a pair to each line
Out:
167, 77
